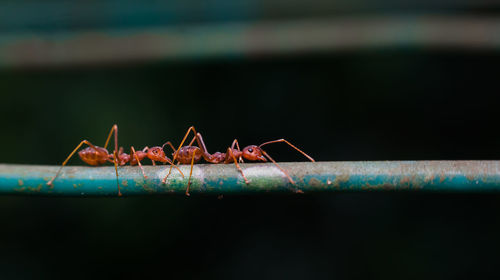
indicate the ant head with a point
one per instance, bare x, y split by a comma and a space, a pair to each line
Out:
157, 154
253, 153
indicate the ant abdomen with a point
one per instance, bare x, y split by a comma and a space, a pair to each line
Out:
186, 153
94, 156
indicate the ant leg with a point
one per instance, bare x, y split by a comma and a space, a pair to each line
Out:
173, 149
201, 143
190, 174
115, 129
230, 153
282, 170
169, 144
115, 162
240, 159
283, 140
138, 161
154, 163
67, 159
176, 167
192, 141
177, 151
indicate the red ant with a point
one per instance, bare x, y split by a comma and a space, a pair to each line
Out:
95, 155
191, 154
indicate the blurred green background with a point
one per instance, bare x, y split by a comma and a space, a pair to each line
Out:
70, 70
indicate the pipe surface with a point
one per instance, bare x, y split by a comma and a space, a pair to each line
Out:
436, 176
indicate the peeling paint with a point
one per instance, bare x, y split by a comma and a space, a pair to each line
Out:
385, 186
22, 189
404, 181
313, 182
470, 177
429, 178
37, 189
148, 188
340, 179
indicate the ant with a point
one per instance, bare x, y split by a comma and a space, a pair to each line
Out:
191, 154
95, 155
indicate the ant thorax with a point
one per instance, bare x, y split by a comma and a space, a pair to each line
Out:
237, 153
219, 157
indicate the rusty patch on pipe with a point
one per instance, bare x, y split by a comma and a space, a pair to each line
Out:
384, 186
37, 189
22, 189
339, 179
470, 177
313, 182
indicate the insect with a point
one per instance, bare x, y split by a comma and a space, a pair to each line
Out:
192, 154
95, 155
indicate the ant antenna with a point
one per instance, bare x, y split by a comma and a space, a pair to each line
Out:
283, 140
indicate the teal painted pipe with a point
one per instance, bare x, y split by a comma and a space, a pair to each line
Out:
440, 176
222, 40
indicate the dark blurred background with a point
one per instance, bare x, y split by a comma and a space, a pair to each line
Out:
343, 80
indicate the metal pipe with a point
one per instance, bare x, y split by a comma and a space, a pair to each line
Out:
437, 176
34, 49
